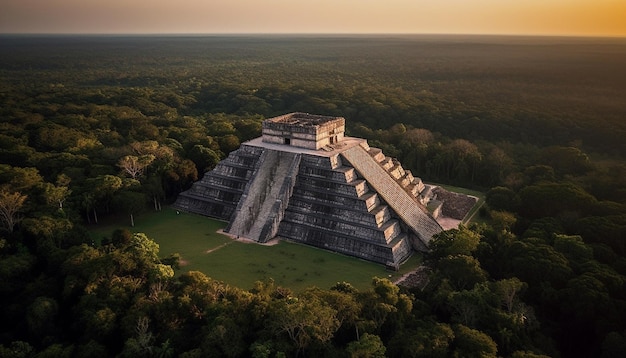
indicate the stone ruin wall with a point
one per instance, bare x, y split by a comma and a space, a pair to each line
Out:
219, 191
304, 131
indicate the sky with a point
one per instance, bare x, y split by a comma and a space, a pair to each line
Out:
516, 17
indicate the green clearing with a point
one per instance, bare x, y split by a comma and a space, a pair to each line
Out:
240, 264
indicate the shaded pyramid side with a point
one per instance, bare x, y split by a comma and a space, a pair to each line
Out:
220, 190
331, 207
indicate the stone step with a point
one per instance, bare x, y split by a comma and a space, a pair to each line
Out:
350, 174
352, 228
361, 187
387, 163
381, 213
391, 229
402, 203
377, 154
420, 185
396, 171
298, 212
223, 182
413, 189
400, 247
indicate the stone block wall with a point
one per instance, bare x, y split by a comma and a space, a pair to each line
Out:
304, 130
332, 207
219, 191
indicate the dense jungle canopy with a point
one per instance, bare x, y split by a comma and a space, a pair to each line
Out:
93, 127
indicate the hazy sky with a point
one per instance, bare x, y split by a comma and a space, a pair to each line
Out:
535, 17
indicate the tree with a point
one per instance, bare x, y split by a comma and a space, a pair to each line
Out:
144, 248
537, 174
142, 344
473, 343
461, 241
305, 320
369, 346
226, 338
427, 339
497, 165
56, 350
573, 247
163, 155
135, 165
100, 324
467, 159
20, 179
507, 290
10, 205
462, 271
614, 345
17, 349
131, 202
384, 304
468, 306
608, 230
342, 297
502, 220
91, 349
502, 198
100, 193
181, 177
41, 316
554, 199
48, 228
535, 263
56, 194
204, 158
228, 143
544, 228
527, 354
88, 203
566, 160
154, 188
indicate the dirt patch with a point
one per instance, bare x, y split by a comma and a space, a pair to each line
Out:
245, 240
217, 248
272, 242
417, 278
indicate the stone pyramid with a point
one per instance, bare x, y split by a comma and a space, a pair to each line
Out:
304, 181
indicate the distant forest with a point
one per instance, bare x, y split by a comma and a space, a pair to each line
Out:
95, 127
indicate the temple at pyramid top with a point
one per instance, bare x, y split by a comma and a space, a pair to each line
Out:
304, 130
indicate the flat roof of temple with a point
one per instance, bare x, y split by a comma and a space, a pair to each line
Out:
329, 151
303, 119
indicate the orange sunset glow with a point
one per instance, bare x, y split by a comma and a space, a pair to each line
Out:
530, 17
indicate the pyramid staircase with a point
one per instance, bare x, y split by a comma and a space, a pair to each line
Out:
261, 205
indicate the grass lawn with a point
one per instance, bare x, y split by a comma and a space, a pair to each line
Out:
291, 265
